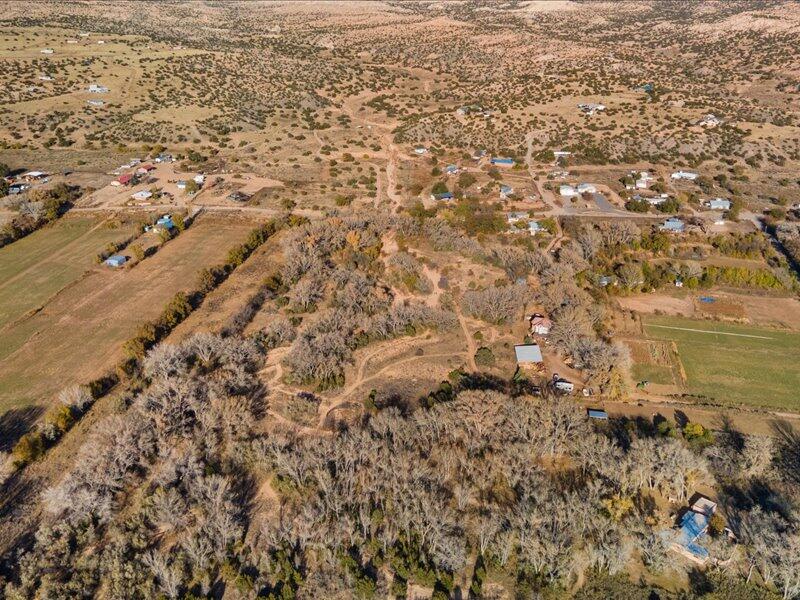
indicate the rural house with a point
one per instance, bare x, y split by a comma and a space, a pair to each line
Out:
540, 325
673, 224
719, 204
506, 191
687, 175
586, 188
692, 527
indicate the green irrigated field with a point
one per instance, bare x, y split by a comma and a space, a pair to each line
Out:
735, 364
36, 267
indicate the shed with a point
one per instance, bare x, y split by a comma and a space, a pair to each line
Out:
116, 260
501, 161
596, 413
528, 354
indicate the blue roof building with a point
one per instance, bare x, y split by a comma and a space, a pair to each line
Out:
451, 169
596, 413
534, 227
116, 260
442, 196
673, 224
692, 526
502, 162
165, 222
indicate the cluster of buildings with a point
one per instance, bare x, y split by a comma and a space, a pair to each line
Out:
529, 355
22, 183
518, 217
640, 180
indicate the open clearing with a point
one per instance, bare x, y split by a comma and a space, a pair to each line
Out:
79, 334
36, 267
734, 364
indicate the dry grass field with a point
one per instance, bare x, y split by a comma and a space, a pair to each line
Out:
78, 333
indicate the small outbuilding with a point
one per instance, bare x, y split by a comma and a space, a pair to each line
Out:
499, 161
116, 260
528, 355
596, 413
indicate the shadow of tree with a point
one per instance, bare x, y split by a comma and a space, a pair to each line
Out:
15, 423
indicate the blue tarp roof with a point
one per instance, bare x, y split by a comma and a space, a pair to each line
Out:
166, 222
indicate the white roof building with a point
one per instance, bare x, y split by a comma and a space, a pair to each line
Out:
688, 175
586, 188
567, 191
141, 195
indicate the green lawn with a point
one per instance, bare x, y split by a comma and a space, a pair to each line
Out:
39, 265
754, 366
652, 373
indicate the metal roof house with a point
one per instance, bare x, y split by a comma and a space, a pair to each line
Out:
719, 204
451, 169
506, 191
673, 224
692, 526
528, 354
586, 188
502, 162
116, 260
688, 175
